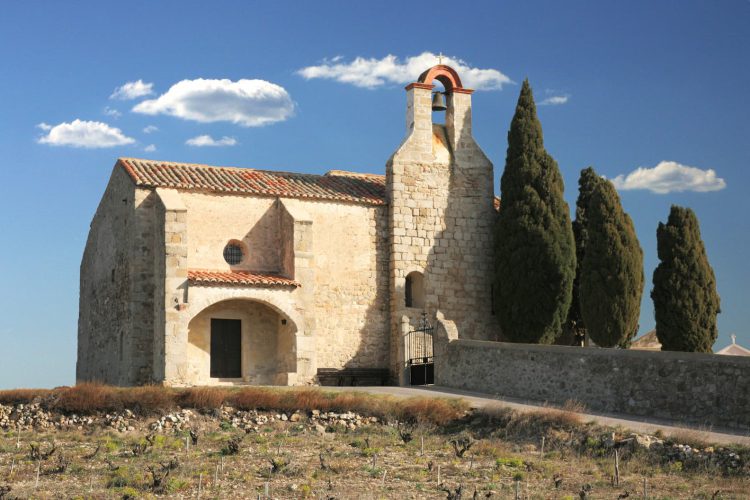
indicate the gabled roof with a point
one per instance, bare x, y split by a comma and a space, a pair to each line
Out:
647, 342
241, 278
335, 185
734, 349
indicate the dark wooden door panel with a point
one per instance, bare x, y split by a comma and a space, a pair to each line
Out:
226, 348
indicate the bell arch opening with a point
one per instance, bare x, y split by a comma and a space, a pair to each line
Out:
241, 341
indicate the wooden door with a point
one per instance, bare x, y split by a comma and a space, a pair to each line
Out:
226, 348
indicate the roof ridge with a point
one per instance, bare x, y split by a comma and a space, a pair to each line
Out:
341, 173
349, 173
367, 189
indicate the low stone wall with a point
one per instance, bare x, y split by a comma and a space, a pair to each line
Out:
702, 389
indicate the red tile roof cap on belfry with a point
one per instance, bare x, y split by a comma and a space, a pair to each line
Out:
335, 185
237, 278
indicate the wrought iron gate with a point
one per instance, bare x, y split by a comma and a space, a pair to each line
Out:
419, 355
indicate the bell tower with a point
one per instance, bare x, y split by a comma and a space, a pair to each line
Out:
441, 218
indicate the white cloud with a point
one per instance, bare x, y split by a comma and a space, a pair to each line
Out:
555, 100
132, 90
112, 112
83, 134
371, 73
250, 103
207, 140
150, 148
670, 176
150, 128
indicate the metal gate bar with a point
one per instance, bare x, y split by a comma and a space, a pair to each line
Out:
419, 354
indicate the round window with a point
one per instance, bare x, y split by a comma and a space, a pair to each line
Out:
233, 254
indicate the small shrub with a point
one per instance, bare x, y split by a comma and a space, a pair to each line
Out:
514, 463
123, 477
175, 485
675, 467
233, 446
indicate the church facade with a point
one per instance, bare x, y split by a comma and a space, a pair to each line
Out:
201, 275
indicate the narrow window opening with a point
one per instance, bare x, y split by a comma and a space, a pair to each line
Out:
414, 290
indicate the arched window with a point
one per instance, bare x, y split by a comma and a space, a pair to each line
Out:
414, 290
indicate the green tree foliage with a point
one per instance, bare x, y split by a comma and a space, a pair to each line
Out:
684, 293
586, 183
611, 274
535, 247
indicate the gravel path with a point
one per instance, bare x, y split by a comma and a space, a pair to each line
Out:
636, 424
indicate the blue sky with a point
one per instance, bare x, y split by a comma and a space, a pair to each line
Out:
631, 84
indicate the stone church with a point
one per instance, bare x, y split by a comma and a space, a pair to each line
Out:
204, 275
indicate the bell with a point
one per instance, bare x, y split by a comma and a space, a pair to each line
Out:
438, 102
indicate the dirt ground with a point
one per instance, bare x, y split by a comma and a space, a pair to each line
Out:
284, 459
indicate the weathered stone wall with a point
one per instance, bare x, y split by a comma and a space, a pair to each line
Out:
703, 389
349, 316
104, 316
440, 192
215, 219
337, 251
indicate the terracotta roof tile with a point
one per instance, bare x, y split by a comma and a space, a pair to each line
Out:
335, 185
237, 278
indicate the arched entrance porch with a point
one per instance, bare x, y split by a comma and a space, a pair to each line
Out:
241, 341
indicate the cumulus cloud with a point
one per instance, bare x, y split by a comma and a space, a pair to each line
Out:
132, 90
150, 148
670, 176
250, 103
112, 112
555, 100
83, 134
207, 140
150, 128
372, 73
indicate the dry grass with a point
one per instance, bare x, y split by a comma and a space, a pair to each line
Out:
85, 398
89, 398
203, 398
14, 396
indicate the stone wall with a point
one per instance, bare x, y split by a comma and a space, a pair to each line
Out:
703, 389
106, 276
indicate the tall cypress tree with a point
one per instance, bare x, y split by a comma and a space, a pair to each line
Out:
535, 248
611, 274
586, 184
684, 293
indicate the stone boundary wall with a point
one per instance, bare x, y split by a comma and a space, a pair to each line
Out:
704, 389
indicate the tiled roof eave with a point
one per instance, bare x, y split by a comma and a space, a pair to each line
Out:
363, 189
204, 277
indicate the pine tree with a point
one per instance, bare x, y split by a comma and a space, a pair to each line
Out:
611, 274
684, 293
535, 248
586, 184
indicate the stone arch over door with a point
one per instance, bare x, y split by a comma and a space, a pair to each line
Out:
275, 350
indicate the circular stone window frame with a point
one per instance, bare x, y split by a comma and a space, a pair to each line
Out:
243, 249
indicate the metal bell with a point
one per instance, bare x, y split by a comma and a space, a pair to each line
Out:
438, 102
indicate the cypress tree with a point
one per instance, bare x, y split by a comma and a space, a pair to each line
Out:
611, 274
586, 183
535, 248
684, 293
